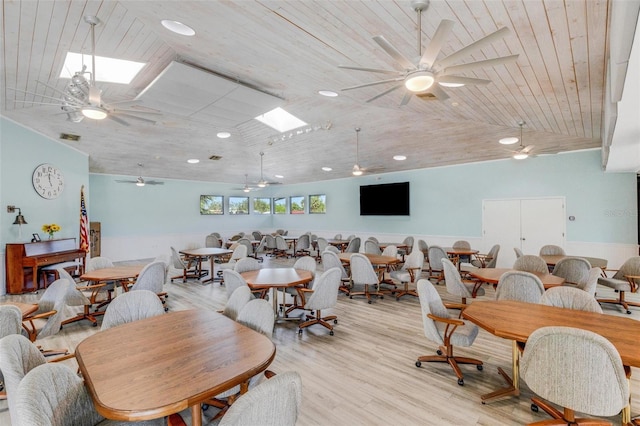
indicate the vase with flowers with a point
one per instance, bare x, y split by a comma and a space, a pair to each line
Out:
51, 229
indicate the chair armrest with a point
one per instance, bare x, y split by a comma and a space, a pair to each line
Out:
90, 287
63, 358
451, 321
40, 315
632, 282
302, 292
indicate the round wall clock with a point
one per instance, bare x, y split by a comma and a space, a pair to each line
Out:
48, 181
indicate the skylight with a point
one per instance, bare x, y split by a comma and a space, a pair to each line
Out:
280, 120
109, 70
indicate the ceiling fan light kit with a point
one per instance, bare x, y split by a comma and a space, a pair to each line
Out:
509, 141
419, 81
94, 113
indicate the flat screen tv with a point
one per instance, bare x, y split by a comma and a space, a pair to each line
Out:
388, 199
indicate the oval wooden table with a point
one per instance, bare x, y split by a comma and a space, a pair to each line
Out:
158, 366
492, 276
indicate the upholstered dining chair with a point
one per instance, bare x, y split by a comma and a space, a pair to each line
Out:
408, 273
554, 366
257, 235
90, 296
247, 243
408, 241
10, 323
590, 284
132, 306
306, 263
270, 245
519, 252
458, 287
240, 297
363, 274
436, 254
444, 330
330, 260
100, 262
626, 279
551, 250
274, 402
464, 245
332, 248
570, 298
282, 248
54, 395
303, 245
351, 237
151, 278
488, 260
238, 253
189, 269
212, 241
372, 247
574, 270
247, 264
323, 295
520, 286
531, 263
353, 246
232, 280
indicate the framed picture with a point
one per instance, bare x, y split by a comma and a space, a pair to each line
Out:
36, 238
317, 204
296, 204
261, 205
211, 204
280, 205
238, 205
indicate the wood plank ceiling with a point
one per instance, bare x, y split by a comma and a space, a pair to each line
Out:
292, 49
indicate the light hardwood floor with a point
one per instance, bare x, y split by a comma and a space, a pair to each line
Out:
365, 374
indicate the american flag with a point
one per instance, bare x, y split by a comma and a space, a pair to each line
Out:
84, 223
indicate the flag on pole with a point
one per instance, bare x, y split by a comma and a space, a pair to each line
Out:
84, 223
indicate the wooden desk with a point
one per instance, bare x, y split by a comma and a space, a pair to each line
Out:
517, 320
211, 253
25, 308
551, 260
492, 276
158, 366
275, 278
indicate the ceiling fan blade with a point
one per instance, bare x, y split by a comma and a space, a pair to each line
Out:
43, 103
472, 65
43, 96
394, 53
153, 182
369, 69
79, 101
455, 79
126, 181
527, 149
406, 98
117, 120
121, 114
397, 86
433, 49
476, 45
375, 83
437, 91
134, 110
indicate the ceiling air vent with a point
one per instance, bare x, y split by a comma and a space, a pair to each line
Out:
215, 157
69, 137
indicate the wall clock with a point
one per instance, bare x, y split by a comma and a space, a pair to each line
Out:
48, 181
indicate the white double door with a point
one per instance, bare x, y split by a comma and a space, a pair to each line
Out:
527, 224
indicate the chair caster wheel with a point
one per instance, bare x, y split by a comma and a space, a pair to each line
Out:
439, 352
350, 297
479, 367
205, 407
484, 403
369, 302
381, 297
397, 298
534, 408
418, 364
335, 321
300, 332
331, 333
166, 309
95, 324
629, 312
461, 382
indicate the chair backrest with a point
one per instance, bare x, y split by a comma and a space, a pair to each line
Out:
551, 249
307, 263
353, 246
520, 286
462, 244
590, 284
518, 252
331, 260
10, 320
337, 237
53, 298
555, 367
164, 259
362, 271
176, 260
531, 263
279, 231
325, 290
132, 306
270, 241
423, 247
304, 242
274, 402
322, 244
257, 235
570, 298
436, 254
281, 244
371, 247
212, 241
331, 248
408, 241
493, 255
431, 303
390, 250
18, 356
247, 264
573, 269
54, 395
374, 239
414, 262
631, 266
74, 296
240, 297
99, 262
247, 243
351, 237
151, 278
232, 280
235, 237
217, 234
453, 280
239, 252
258, 315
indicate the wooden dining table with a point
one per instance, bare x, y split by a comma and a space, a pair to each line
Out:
551, 260
341, 244
517, 320
274, 279
206, 252
492, 276
158, 366
115, 273
455, 253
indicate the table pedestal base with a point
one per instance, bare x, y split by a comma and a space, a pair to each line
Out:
513, 384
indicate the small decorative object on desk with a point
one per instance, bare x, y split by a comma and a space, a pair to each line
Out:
50, 229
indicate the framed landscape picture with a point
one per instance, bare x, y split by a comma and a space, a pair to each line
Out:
280, 205
296, 204
261, 205
238, 205
211, 204
317, 204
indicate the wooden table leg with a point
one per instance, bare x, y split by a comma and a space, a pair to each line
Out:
196, 415
513, 383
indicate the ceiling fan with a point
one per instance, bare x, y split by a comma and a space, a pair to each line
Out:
81, 97
522, 152
426, 75
357, 170
262, 183
246, 187
141, 181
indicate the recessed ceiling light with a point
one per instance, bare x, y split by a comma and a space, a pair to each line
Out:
399, 157
193, 161
278, 176
328, 93
178, 27
223, 135
509, 141
327, 169
455, 104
